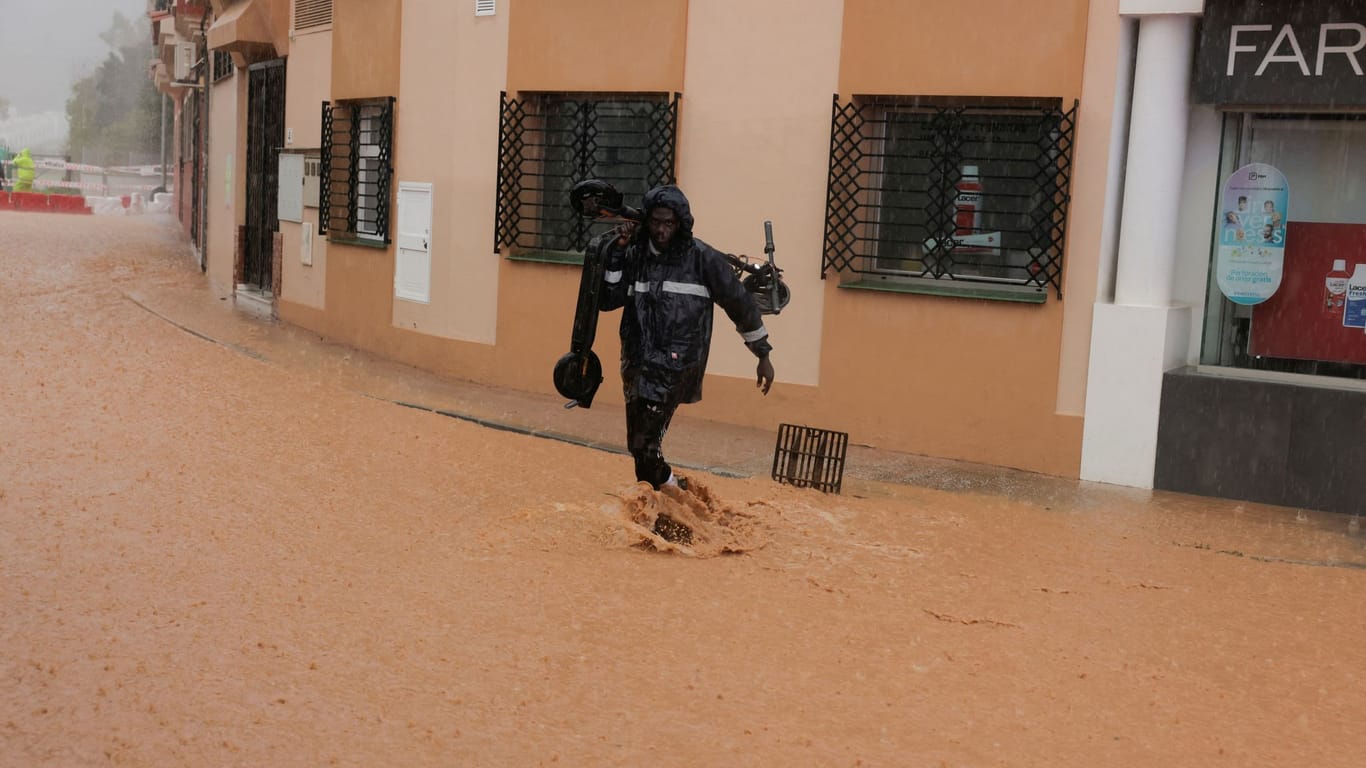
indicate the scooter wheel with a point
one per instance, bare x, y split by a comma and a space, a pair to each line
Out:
577, 377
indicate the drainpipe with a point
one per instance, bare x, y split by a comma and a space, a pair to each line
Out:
162, 156
204, 122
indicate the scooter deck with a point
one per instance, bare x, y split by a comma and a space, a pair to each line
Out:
579, 372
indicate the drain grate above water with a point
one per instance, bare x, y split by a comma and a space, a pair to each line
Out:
810, 458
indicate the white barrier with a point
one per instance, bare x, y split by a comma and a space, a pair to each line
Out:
106, 206
161, 202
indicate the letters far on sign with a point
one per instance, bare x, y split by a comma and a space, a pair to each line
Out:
1274, 55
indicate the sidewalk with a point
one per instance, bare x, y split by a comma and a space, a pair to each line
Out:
183, 298
692, 443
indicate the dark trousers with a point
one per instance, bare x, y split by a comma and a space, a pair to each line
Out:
646, 423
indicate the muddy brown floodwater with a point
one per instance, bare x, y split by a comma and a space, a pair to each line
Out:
214, 557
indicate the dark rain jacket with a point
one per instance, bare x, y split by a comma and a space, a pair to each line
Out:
666, 300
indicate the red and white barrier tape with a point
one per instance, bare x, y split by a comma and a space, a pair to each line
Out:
93, 185
121, 170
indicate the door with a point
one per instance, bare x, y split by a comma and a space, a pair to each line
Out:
190, 178
413, 266
265, 137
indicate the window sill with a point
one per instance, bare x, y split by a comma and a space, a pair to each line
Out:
1273, 377
568, 258
363, 242
1018, 294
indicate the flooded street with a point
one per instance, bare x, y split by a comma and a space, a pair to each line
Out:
214, 555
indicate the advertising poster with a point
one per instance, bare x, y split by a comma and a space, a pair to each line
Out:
1253, 210
1306, 319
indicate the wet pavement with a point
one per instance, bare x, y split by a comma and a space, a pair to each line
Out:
230, 542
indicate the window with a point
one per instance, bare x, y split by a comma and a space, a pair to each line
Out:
356, 161
548, 142
222, 65
971, 190
1287, 270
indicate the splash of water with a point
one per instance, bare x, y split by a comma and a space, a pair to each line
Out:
693, 522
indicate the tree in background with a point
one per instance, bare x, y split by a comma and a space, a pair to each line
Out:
114, 113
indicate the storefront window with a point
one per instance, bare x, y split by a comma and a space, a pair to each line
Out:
1287, 288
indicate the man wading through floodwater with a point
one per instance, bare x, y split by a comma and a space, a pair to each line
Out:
665, 280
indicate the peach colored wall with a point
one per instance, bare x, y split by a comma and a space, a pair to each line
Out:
949, 377
755, 141
983, 48
453, 66
536, 311
307, 84
532, 304
366, 36
1090, 180
279, 14
227, 153
974, 389
958, 378
596, 45
358, 280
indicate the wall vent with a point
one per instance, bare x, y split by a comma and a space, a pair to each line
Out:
485, 7
310, 14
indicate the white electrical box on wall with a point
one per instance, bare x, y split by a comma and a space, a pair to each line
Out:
312, 170
413, 263
485, 7
290, 203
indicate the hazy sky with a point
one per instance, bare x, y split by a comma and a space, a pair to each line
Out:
48, 44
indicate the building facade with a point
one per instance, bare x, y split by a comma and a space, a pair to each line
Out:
997, 236
178, 71
1228, 350
432, 224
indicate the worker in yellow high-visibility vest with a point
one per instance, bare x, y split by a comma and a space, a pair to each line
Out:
23, 171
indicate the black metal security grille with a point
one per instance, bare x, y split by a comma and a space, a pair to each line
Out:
190, 148
356, 168
548, 142
222, 65
897, 175
810, 458
265, 136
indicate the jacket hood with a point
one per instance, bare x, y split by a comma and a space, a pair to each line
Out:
671, 197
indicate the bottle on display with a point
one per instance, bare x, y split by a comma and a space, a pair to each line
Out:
1335, 288
967, 213
1354, 308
